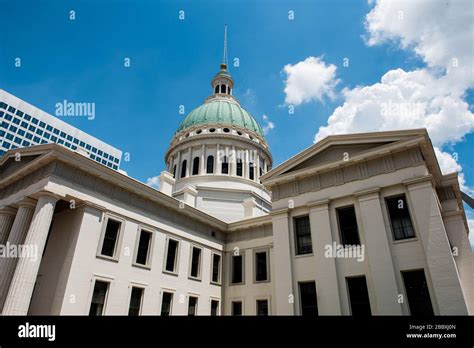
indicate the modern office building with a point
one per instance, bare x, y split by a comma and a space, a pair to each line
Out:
356, 224
22, 125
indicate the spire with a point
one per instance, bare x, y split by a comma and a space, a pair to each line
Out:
224, 58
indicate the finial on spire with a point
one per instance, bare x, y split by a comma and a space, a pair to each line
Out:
224, 59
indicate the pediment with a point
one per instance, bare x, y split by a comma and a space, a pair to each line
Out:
13, 164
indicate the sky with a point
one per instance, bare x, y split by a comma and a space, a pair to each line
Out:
306, 69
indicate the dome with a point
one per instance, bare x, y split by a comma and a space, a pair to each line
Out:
221, 111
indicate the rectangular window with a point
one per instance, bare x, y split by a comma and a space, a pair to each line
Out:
214, 307
111, 235
171, 255
236, 308
303, 235
359, 296
400, 220
192, 305
237, 269
144, 245
135, 301
98, 298
348, 226
166, 303
216, 268
195, 262
261, 266
417, 293
262, 307
309, 302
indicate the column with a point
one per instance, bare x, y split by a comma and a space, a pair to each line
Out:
377, 251
178, 166
233, 162
326, 272
7, 215
218, 160
431, 231
24, 278
257, 168
245, 164
20, 226
203, 160
283, 277
189, 161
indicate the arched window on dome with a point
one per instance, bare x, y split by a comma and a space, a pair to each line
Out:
225, 166
239, 167
251, 171
228, 90
216, 90
196, 166
174, 171
223, 89
183, 168
210, 165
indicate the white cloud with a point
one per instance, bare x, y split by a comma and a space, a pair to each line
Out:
309, 80
268, 124
154, 182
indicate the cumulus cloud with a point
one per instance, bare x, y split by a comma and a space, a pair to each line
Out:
309, 80
154, 182
268, 124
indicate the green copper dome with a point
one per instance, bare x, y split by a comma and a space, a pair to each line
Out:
221, 111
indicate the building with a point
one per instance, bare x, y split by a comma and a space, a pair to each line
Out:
354, 225
22, 124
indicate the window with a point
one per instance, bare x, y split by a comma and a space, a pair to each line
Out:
135, 301
109, 242
214, 307
251, 171
171, 255
166, 303
400, 220
303, 235
236, 308
183, 168
237, 269
262, 307
239, 167
195, 262
216, 90
261, 266
98, 298
216, 268
196, 166
210, 165
226, 130
358, 296
192, 305
174, 171
223, 88
144, 244
309, 302
225, 165
348, 226
417, 292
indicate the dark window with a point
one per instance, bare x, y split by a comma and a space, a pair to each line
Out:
402, 227
239, 167
195, 262
214, 307
216, 265
174, 171
183, 168
135, 301
236, 308
196, 166
309, 302
166, 303
171, 255
348, 226
261, 270
192, 305
210, 165
225, 165
262, 307
303, 235
251, 171
98, 298
237, 269
359, 296
417, 292
110, 238
226, 130
223, 88
216, 90
143, 247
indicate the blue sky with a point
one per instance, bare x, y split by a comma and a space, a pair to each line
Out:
172, 62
